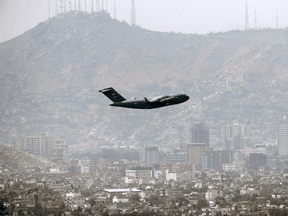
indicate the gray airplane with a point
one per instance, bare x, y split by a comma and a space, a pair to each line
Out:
156, 102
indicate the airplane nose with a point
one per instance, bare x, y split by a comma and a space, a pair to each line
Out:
186, 97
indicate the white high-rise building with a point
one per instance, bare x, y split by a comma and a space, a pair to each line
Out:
283, 137
37, 144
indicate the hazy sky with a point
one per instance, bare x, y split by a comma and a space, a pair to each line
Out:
186, 16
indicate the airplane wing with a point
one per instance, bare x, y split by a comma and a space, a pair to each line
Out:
159, 98
112, 94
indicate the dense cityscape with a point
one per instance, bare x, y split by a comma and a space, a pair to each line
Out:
242, 178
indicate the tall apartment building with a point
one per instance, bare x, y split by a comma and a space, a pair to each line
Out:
283, 137
215, 159
235, 136
195, 153
152, 155
200, 133
60, 151
37, 144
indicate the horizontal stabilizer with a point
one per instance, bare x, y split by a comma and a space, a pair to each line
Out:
112, 94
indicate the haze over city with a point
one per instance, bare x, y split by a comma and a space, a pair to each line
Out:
172, 108
185, 16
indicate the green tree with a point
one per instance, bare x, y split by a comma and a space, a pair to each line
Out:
202, 203
135, 198
38, 210
203, 176
105, 213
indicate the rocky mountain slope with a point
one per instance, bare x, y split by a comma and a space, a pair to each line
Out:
11, 157
50, 77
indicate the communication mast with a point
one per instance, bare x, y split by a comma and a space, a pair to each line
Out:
114, 9
133, 14
62, 8
255, 24
246, 18
49, 10
79, 5
70, 5
56, 8
277, 26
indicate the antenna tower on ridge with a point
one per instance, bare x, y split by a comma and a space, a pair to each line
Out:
114, 9
61, 8
79, 5
70, 5
246, 18
49, 10
56, 8
255, 24
277, 26
133, 14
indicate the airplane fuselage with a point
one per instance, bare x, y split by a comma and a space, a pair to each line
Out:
158, 102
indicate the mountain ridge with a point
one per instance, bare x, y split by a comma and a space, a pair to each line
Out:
52, 73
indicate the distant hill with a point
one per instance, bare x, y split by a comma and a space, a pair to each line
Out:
50, 77
12, 157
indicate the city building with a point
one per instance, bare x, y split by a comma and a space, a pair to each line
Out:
195, 153
236, 136
152, 155
177, 158
138, 173
258, 148
200, 133
37, 144
60, 151
283, 138
180, 172
84, 169
257, 160
211, 195
180, 177
215, 159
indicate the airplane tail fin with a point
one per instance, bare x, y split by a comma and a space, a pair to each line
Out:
112, 94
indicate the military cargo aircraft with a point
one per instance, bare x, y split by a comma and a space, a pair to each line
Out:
156, 102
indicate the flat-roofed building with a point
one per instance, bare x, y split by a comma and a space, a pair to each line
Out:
177, 158
152, 155
60, 151
215, 159
195, 153
37, 144
200, 133
283, 137
138, 173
